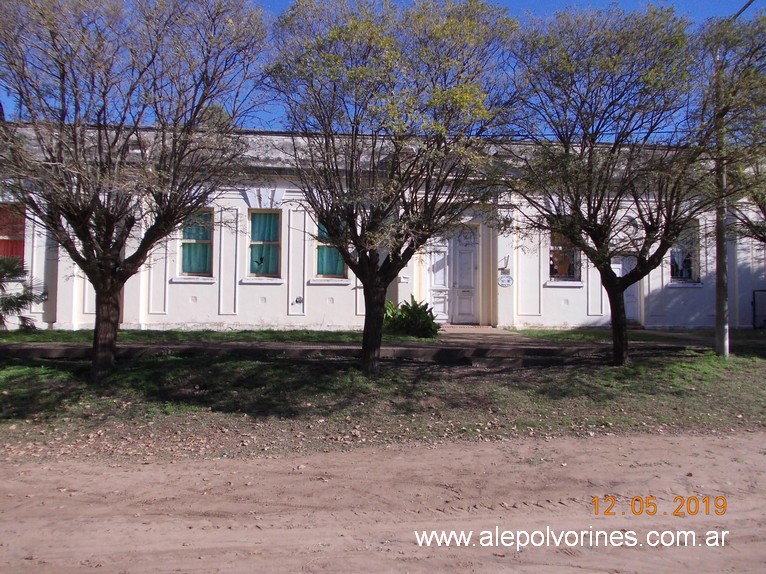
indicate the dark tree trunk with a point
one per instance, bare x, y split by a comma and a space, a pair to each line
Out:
619, 325
374, 309
105, 334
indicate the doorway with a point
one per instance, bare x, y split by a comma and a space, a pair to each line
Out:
453, 274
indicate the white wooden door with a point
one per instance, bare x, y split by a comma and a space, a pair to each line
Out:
439, 271
465, 254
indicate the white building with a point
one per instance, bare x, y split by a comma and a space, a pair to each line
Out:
252, 261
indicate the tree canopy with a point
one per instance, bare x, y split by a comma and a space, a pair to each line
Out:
613, 153
113, 145
389, 108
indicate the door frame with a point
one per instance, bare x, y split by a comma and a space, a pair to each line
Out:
451, 243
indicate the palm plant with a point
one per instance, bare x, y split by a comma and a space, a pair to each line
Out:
15, 302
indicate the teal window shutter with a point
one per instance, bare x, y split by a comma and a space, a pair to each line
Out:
264, 244
197, 244
329, 260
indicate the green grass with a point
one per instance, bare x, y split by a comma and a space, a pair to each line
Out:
284, 399
604, 335
198, 336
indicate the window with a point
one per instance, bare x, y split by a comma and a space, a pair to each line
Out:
685, 256
11, 231
564, 259
197, 244
329, 261
264, 243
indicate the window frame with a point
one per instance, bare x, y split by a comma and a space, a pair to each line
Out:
691, 237
15, 213
323, 244
561, 247
278, 243
189, 241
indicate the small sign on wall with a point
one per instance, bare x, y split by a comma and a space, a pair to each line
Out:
505, 281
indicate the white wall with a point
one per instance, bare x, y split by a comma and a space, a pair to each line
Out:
159, 296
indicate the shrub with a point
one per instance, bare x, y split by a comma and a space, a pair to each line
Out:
411, 318
13, 303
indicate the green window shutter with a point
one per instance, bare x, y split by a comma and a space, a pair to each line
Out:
322, 232
264, 259
199, 227
197, 244
197, 258
264, 244
264, 227
329, 262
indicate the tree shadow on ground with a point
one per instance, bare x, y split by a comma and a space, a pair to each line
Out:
278, 387
648, 373
33, 387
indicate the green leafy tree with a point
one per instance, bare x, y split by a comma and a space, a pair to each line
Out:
733, 53
750, 211
389, 107
731, 76
125, 125
612, 159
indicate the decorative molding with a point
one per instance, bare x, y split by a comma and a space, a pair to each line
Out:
260, 198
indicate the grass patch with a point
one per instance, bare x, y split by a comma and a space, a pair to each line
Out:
604, 335
314, 404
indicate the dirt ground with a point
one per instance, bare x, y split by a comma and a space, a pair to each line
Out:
358, 511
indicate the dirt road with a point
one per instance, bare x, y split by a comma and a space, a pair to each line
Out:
358, 511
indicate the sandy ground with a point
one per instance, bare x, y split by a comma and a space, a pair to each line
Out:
358, 511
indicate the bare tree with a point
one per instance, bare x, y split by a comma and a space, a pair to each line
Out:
388, 107
613, 161
113, 145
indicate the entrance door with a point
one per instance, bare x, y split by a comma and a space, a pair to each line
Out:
453, 272
439, 271
465, 254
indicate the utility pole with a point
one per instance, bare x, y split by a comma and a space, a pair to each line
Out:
721, 247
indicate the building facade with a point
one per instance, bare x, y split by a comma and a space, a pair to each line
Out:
255, 259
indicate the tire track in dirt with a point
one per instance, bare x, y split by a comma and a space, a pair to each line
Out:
358, 511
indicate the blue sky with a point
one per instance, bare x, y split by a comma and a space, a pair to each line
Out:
697, 10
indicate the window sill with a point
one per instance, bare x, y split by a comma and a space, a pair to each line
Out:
194, 280
261, 281
330, 281
565, 284
685, 285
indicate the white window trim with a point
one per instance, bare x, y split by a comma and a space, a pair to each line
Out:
261, 280
194, 279
564, 283
686, 284
330, 280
